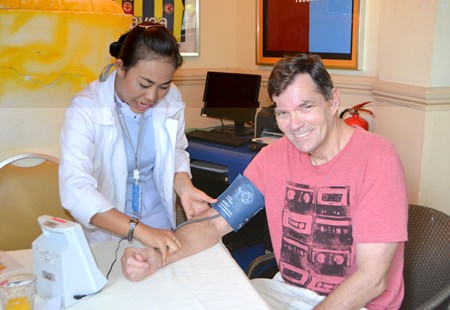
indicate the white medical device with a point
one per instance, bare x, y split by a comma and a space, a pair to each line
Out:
63, 262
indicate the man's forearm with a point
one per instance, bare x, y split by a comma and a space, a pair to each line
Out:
198, 236
367, 282
347, 297
138, 263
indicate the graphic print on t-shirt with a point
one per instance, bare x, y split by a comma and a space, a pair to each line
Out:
316, 249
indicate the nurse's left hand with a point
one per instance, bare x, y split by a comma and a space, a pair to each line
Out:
195, 201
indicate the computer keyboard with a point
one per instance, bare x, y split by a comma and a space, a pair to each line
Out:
218, 137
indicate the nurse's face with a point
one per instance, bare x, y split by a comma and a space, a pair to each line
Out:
145, 84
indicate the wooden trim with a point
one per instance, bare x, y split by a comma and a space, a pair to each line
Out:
383, 92
351, 64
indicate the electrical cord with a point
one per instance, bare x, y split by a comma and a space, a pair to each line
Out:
115, 257
80, 296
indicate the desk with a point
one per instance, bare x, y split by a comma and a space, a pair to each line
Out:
236, 159
253, 238
207, 280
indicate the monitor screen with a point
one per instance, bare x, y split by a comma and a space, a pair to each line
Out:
231, 96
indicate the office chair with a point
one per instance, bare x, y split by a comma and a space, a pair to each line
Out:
426, 265
28, 189
427, 259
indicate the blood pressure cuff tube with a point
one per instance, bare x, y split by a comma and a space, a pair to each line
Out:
239, 202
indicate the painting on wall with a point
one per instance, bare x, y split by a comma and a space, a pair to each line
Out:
181, 17
328, 28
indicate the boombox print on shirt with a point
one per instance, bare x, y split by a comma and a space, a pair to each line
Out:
316, 250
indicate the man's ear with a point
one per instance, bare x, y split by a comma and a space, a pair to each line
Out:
335, 100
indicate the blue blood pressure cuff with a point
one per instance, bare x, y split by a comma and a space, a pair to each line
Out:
239, 202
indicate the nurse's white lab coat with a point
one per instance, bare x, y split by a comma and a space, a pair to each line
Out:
93, 165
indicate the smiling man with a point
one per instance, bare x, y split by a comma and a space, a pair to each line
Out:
335, 195
335, 199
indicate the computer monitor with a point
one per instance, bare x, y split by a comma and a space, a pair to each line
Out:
232, 96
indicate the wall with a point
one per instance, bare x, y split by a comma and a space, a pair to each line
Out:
404, 69
436, 164
46, 56
413, 93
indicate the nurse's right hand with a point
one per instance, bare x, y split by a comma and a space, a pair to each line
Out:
163, 240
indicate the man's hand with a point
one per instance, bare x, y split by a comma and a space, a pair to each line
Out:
138, 263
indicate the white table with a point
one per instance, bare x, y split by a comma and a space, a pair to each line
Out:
208, 280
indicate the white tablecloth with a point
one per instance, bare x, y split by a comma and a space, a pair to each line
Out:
208, 280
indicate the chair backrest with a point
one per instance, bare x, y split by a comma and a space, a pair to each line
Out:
28, 189
427, 257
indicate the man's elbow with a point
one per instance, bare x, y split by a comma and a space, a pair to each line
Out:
217, 224
379, 285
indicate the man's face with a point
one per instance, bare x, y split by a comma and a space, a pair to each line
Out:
306, 117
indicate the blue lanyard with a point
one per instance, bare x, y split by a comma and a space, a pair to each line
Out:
127, 134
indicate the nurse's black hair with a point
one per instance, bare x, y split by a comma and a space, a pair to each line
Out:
146, 41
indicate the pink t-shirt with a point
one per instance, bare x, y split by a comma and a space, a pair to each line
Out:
317, 214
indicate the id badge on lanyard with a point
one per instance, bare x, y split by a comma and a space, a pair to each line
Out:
136, 194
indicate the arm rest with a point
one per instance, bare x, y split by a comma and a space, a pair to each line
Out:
442, 298
264, 266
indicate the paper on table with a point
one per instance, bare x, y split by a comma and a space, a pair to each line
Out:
7, 263
54, 303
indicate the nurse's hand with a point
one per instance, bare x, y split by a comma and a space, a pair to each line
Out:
195, 201
163, 240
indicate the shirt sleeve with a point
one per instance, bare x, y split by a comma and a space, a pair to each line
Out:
381, 212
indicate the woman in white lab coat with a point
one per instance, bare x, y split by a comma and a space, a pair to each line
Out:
123, 147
